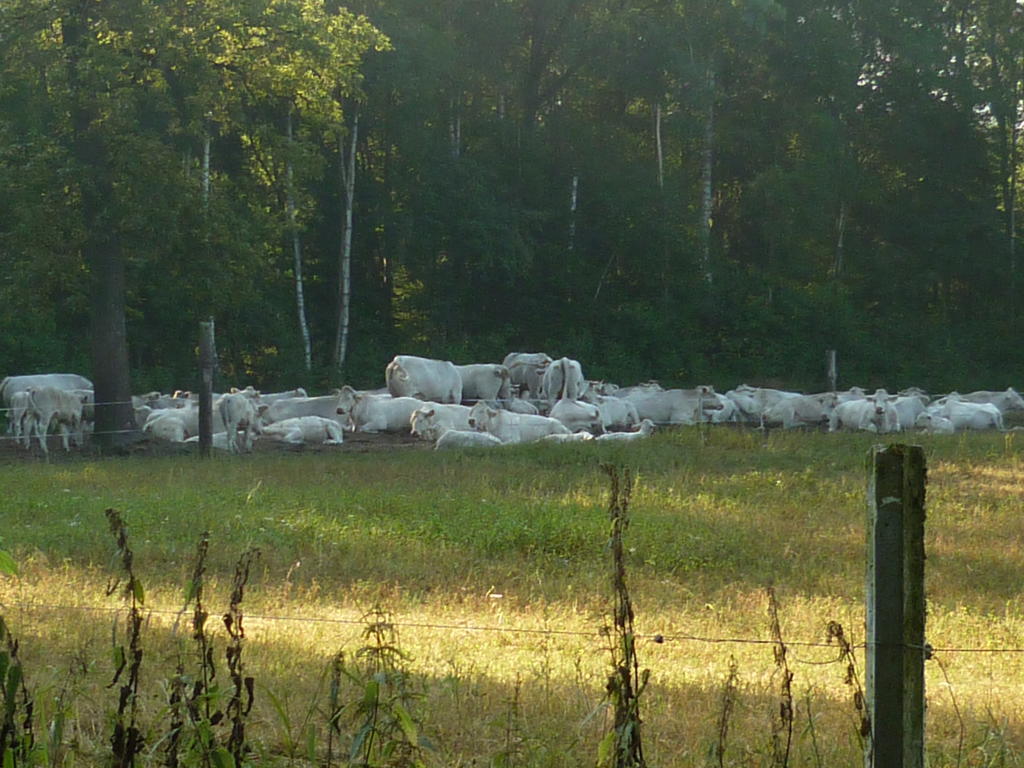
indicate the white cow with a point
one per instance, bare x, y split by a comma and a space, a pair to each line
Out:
967, 415
420, 377
484, 381
875, 413
513, 427
1006, 401
646, 429
575, 437
49, 405
934, 423
526, 370
240, 418
270, 397
19, 417
314, 430
908, 408
62, 381
801, 411
615, 412
382, 413
577, 415
334, 406
218, 440
167, 426
675, 406
188, 416
457, 438
430, 420
563, 378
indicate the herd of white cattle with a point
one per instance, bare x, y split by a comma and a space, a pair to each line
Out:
528, 397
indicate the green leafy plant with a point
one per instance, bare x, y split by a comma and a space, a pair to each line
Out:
385, 733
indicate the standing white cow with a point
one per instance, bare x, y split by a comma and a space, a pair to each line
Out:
241, 421
563, 378
52, 405
615, 412
64, 381
19, 418
875, 413
484, 381
423, 378
526, 370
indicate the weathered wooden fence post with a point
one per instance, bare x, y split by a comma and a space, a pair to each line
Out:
207, 363
895, 608
831, 369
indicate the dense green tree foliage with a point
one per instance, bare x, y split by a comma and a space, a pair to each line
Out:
681, 189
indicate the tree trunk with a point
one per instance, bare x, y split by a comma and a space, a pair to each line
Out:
114, 417
206, 171
348, 185
454, 128
573, 202
837, 266
300, 298
658, 146
707, 182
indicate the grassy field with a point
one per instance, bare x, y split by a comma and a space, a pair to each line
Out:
494, 569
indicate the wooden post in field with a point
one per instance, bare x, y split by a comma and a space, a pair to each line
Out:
207, 363
831, 370
895, 608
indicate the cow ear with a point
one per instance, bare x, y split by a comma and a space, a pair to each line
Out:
430, 413
491, 412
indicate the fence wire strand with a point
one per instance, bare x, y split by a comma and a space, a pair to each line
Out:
657, 638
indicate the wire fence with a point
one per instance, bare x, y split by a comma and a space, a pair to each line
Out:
657, 637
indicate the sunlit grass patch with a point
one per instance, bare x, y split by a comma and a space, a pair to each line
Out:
494, 566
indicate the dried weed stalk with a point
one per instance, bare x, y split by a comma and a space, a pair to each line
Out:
126, 740
782, 721
622, 747
835, 632
237, 709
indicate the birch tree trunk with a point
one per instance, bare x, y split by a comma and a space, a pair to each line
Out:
454, 128
347, 164
300, 298
658, 146
707, 182
206, 170
837, 265
573, 202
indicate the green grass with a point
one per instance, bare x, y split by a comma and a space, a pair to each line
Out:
515, 538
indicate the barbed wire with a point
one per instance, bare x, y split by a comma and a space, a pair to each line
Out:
657, 638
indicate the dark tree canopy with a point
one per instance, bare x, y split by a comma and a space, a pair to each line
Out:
558, 175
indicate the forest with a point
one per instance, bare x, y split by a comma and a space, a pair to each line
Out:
696, 191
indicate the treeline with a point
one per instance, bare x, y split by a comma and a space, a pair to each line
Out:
689, 190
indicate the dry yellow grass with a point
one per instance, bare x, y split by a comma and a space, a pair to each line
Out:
493, 571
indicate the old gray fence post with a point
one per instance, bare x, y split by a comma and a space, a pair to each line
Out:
895, 608
207, 363
831, 369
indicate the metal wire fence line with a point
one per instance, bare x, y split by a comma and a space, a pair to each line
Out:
658, 638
